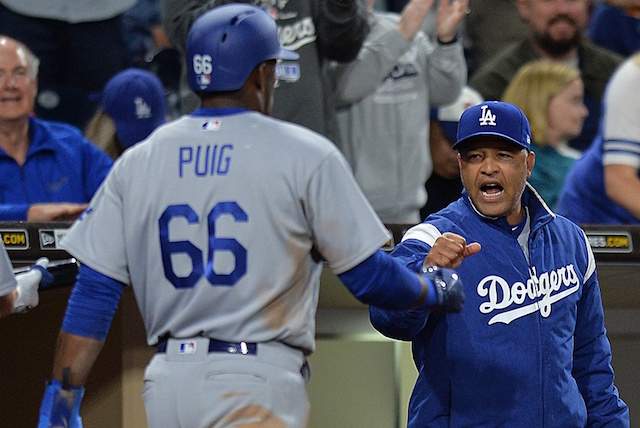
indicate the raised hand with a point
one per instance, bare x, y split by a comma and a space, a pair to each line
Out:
450, 15
450, 250
413, 16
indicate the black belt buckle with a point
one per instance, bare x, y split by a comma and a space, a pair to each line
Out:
243, 348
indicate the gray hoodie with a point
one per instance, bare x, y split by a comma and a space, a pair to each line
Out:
383, 99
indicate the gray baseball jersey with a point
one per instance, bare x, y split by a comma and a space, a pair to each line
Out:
8, 281
217, 221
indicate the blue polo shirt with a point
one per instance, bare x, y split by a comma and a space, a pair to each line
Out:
61, 166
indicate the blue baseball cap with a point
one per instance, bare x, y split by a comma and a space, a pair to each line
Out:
135, 100
449, 115
495, 118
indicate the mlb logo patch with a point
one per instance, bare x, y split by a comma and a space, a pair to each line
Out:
187, 348
204, 79
211, 125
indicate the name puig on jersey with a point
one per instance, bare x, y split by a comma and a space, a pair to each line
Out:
502, 296
204, 161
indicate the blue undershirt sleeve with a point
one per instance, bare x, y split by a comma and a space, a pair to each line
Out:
383, 281
92, 304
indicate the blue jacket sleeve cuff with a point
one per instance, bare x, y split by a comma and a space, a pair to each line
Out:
14, 212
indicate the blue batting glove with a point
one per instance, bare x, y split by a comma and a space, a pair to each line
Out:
448, 291
60, 407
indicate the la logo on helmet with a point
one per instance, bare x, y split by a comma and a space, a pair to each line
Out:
487, 117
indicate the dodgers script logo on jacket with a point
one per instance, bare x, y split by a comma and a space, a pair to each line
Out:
543, 290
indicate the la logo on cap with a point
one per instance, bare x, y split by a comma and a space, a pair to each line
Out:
143, 111
487, 117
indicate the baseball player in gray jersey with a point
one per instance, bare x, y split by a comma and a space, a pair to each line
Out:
221, 221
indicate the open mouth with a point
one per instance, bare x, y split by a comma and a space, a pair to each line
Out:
491, 190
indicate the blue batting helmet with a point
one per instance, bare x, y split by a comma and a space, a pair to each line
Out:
227, 42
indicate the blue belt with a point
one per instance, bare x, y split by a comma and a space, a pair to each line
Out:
244, 348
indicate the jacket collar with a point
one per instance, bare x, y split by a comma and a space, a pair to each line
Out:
39, 140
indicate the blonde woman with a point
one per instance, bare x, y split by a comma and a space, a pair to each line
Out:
133, 105
551, 95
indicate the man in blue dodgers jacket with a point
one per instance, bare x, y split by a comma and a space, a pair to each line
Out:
529, 347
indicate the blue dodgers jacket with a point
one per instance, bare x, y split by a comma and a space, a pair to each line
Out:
529, 348
61, 166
